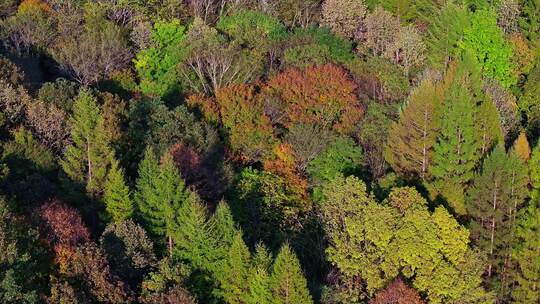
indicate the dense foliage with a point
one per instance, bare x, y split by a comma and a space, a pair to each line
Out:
270, 152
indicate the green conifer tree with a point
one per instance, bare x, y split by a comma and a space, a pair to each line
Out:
526, 256
534, 172
457, 149
259, 281
160, 194
117, 197
488, 126
224, 228
86, 160
411, 139
288, 284
233, 275
445, 32
192, 235
497, 191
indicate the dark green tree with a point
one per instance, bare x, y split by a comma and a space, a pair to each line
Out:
161, 193
493, 200
526, 255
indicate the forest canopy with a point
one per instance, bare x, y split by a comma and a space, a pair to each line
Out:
269, 152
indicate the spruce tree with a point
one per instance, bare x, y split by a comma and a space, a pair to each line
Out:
457, 149
192, 236
224, 228
86, 160
497, 191
117, 197
411, 139
160, 194
534, 172
259, 280
526, 256
288, 284
488, 126
234, 271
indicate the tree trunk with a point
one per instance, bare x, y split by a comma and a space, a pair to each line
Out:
492, 240
170, 245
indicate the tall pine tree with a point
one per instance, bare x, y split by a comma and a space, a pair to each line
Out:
86, 160
526, 256
411, 139
534, 172
497, 191
288, 284
161, 192
259, 280
117, 197
457, 149
234, 272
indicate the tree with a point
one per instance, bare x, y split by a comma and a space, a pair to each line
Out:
157, 64
521, 147
288, 284
485, 42
432, 249
234, 271
242, 113
267, 206
117, 197
359, 232
161, 194
343, 17
380, 79
528, 102
507, 16
445, 33
19, 260
381, 31
408, 49
165, 284
105, 45
30, 29
317, 45
411, 140
307, 142
534, 172
505, 104
89, 266
62, 227
526, 255
321, 95
488, 129
397, 292
212, 62
457, 149
375, 242
259, 280
129, 251
86, 160
342, 156
373, 135
497, 193
252, 28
